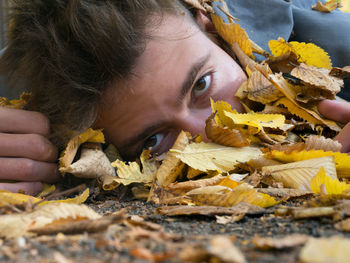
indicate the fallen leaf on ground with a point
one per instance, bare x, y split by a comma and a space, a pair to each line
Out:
267, 243
214, 157
325, 184
325, 250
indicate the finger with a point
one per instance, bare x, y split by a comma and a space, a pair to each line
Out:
27, 170
31, 146
335, 110
22, 121
29, 188
343, 138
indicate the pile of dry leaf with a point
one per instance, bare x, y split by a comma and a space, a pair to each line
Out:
280, 149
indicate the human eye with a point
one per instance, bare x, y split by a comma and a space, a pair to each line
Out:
153, 141
202, 85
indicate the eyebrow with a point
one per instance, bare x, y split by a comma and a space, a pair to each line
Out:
191, 77
186, 87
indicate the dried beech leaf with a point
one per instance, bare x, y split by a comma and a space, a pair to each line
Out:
340, 72
341, 160
307, 53
224, 135
343, 225
184, 187
284, 193
222, 248
330, 185
260, 89
314, 142
16, 104
288, 148
209, 210
298, 175
93, 163
317, 77
306, 114
233, 33
172, 167
328, 6
214, 157
324, 250
224, 196
223, 220
18, 224
257, 120
90, 135
192, 173
284, 63
267, 243
132, 173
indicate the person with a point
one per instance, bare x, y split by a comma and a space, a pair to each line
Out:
141, 70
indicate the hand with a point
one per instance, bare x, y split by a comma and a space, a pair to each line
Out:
26, 155
340, 112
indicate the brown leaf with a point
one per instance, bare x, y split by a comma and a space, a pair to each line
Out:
260, 89
267, 243
284, 193
284, 63
222, 248
93, 163
210, 210
224, 135
343, 225
223, 220
172, 167
340, 72
314, 142
317, 77
299, 213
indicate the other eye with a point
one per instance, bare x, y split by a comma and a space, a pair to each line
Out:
153, 141
202, 85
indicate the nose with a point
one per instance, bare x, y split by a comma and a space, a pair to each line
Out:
194, 122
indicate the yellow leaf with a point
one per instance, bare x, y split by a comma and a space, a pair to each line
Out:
131, 172
17, 225
79, 199
90, 135
297, 175
228, 182
172, 167
212, 157
47, 190
328, 6
306, 114
307, 53
257, 120
341, 160
223, 196
332, 186
8, 198
16, 104
325, 250
233, 33
224, 135
219, 108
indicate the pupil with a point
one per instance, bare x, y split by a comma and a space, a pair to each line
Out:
151, 141
201, 84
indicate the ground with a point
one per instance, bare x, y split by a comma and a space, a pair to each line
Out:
164, 239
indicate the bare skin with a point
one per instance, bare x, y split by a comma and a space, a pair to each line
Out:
146, 106
26, 155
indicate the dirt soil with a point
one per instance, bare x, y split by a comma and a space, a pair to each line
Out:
164, 244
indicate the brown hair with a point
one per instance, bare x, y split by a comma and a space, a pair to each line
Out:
69, 51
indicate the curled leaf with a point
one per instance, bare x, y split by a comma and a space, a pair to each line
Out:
332, 186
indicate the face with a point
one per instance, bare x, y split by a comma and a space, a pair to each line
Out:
169, 89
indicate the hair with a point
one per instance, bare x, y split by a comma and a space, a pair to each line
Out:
69, 51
